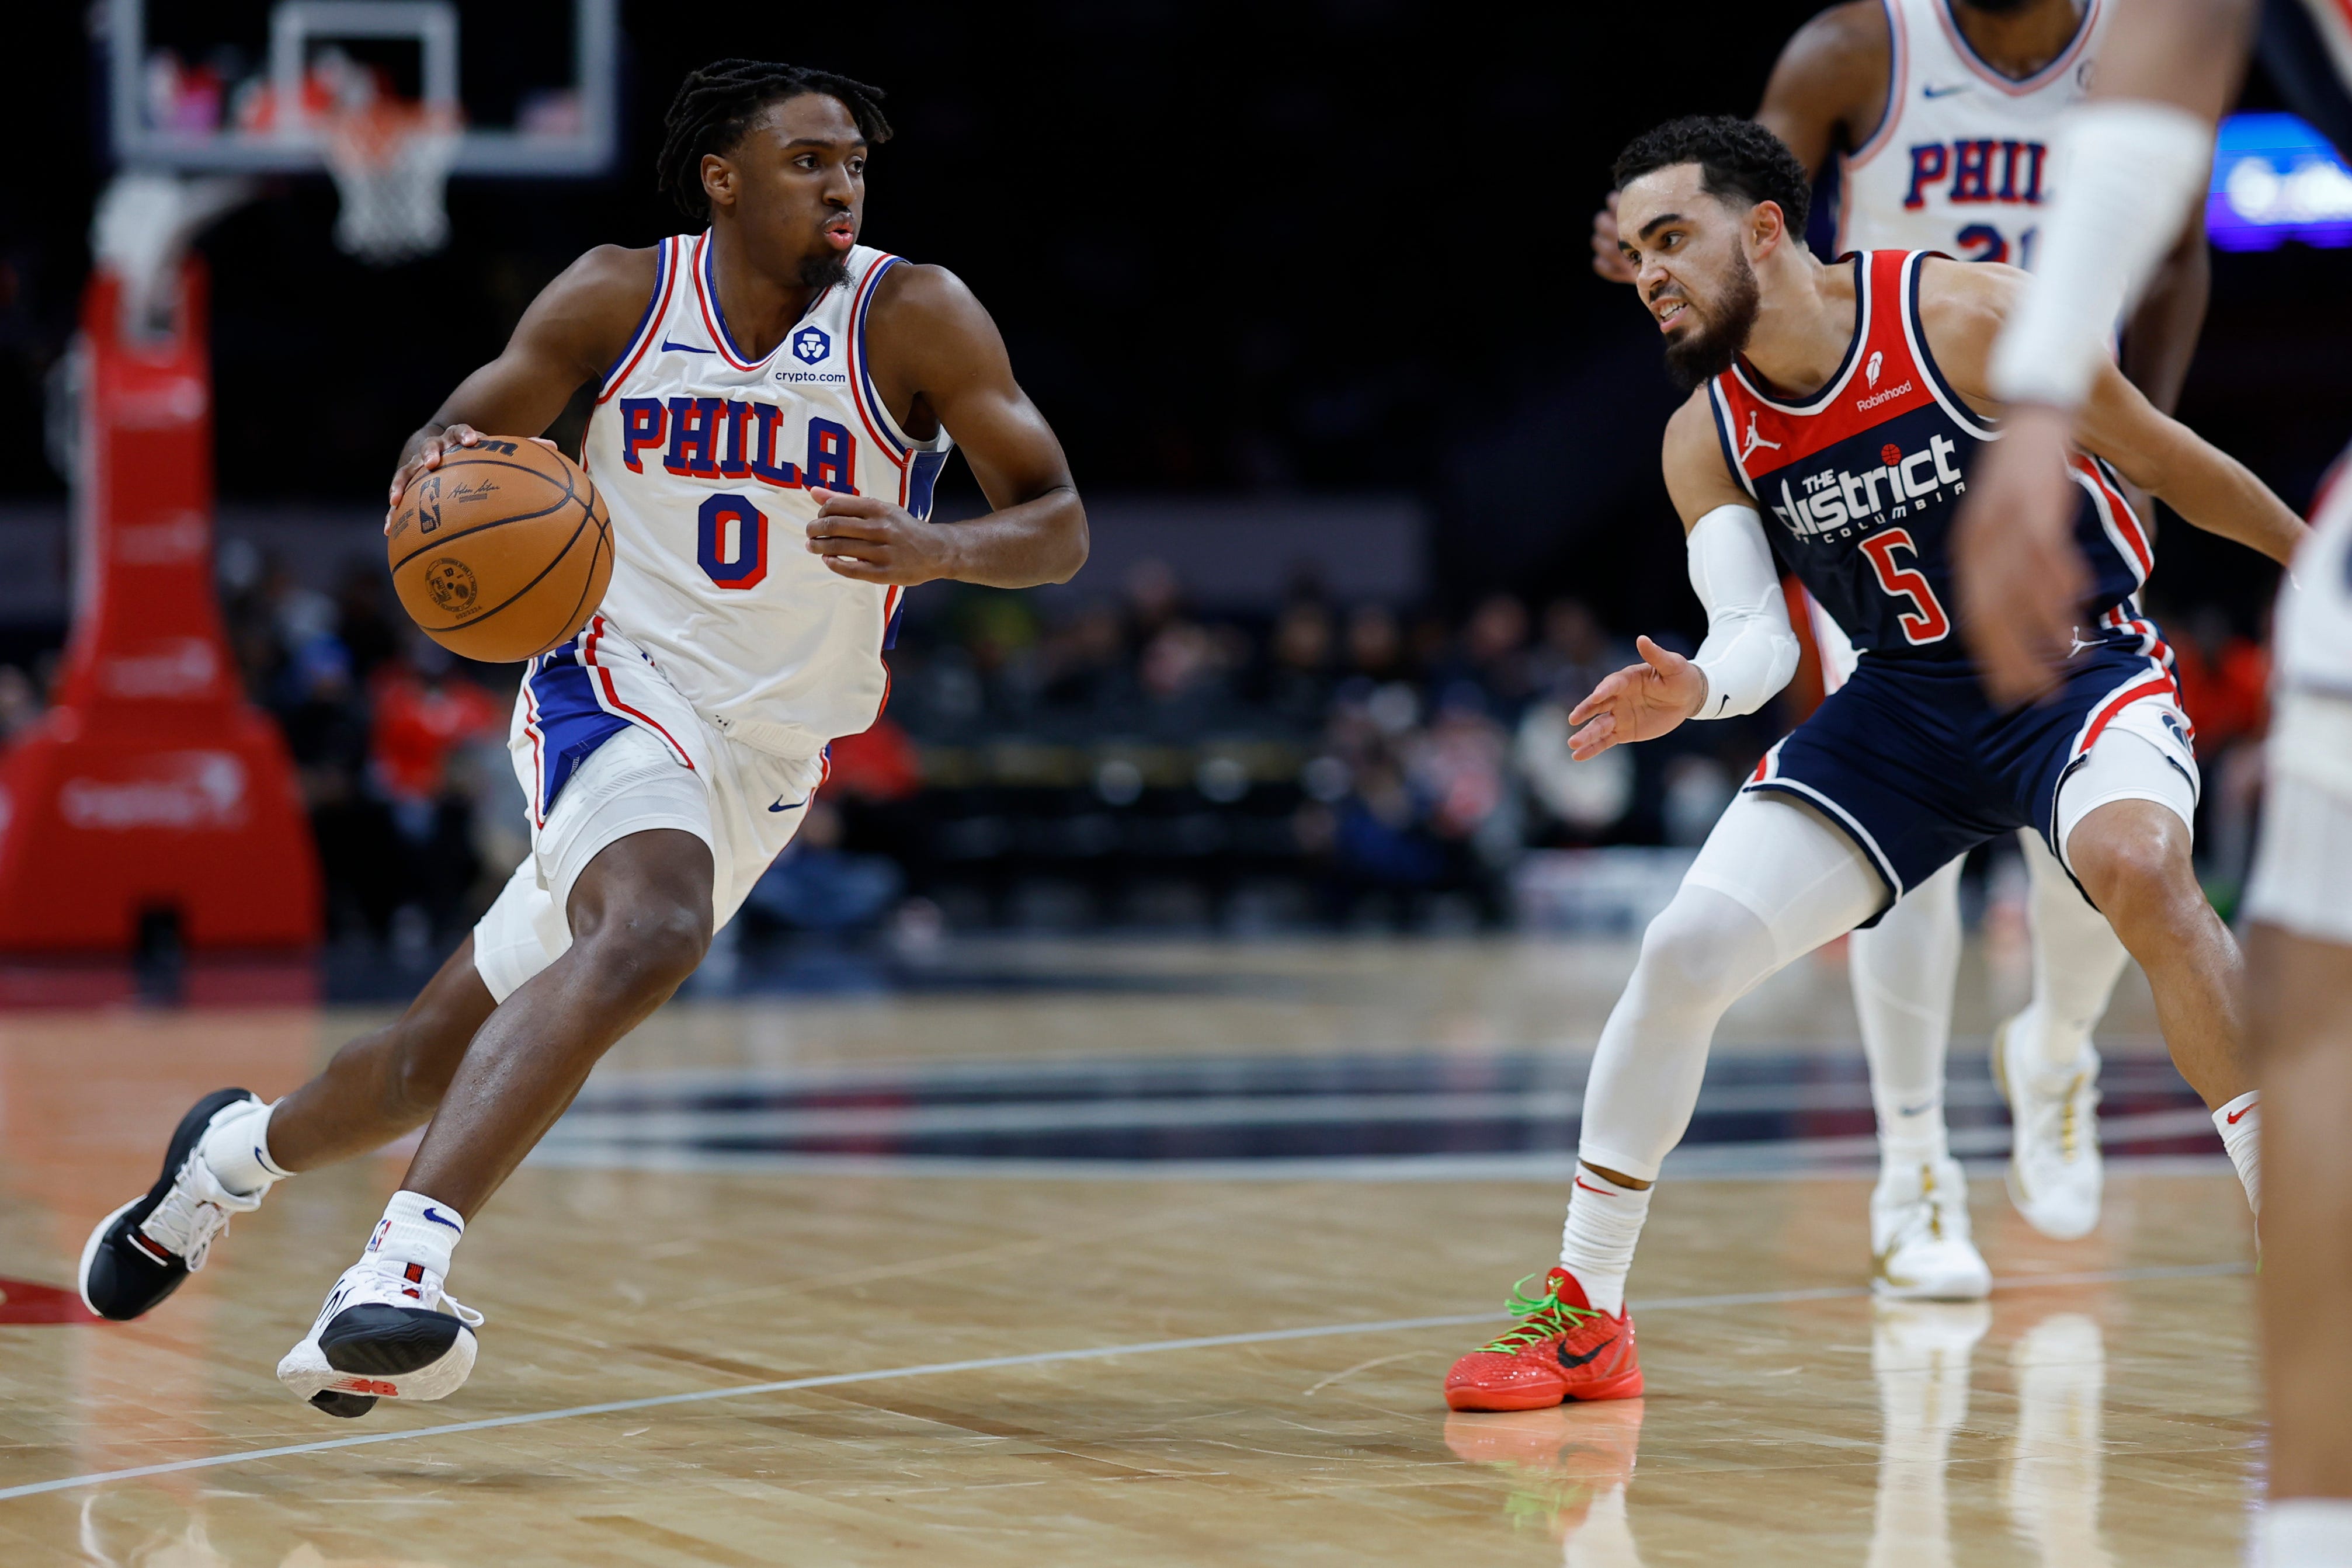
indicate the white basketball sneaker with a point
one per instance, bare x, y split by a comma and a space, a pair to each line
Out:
1919, 1243
2055, 1174
379, 1336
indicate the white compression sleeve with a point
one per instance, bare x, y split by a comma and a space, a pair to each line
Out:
1750, 649
2129, 169
1773, 882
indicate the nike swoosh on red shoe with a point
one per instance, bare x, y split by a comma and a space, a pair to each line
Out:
1572, 1362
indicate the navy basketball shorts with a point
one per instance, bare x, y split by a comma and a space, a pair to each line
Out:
1910, 760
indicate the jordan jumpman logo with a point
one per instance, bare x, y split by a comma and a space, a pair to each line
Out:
1754, 440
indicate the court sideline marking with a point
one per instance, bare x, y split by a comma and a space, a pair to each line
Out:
1045, 1357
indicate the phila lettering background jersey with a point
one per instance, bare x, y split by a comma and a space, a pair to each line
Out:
1863, 480
1961, 162
706, 458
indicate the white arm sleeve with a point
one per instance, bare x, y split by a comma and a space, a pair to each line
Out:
1750, 649
2130, 170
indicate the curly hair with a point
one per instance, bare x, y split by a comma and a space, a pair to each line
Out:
716, 105
1739, 160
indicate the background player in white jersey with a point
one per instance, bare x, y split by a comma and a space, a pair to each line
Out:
767, 372
1939, 116
2141, 153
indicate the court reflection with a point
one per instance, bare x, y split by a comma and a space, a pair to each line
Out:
159, 1528
1920, 1353
1567, 1469
2054, 1469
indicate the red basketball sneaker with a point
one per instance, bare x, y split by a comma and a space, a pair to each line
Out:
1561, 1350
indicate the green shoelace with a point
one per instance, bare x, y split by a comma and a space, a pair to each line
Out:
1545, 1314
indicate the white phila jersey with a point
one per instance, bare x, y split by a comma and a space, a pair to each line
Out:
706, 458
1960, 161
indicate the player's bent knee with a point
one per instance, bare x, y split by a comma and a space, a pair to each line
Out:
2133, 859
652, 949
1703, 947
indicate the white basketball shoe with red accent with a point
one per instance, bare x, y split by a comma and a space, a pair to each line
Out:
380, 1336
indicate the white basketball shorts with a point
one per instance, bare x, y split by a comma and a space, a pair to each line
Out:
2303, 866
605, 747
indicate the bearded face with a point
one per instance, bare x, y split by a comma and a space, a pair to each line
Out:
1707, 335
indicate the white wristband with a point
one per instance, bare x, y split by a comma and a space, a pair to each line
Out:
1750, 649
2128, 170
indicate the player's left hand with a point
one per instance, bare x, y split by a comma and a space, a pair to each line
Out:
868, 538
2022, 578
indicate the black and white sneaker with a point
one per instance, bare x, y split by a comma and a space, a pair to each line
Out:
140, 1252
379, 1336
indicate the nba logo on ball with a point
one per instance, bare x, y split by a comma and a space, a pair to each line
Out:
810, 344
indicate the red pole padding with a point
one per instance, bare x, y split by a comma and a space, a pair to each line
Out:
151, 784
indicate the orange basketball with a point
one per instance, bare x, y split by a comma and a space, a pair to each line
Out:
501, 552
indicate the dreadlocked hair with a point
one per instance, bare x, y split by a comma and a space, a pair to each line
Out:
716, 105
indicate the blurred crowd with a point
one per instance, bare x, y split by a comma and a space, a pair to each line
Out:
1078, 758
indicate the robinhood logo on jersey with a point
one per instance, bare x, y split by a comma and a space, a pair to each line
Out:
1836, 500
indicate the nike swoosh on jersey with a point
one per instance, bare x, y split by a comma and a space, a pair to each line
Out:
1572, 1362
685, 348
1931, 90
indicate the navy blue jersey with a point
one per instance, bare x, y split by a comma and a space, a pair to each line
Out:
1864, 477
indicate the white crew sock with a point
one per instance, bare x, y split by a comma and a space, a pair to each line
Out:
2077, 959
2240, 1122
237, 1147
2307, 1532
416, 1229
1596, 1245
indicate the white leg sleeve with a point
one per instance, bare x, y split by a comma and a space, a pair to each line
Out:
2077, 959
1773, 883
1905, 970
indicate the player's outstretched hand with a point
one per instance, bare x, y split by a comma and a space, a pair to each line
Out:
427, 452
865, 538
1639, 701
2022, 579
1607, 259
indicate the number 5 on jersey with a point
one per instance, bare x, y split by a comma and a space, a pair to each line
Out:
1926, 620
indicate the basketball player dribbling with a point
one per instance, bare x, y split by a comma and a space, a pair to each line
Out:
1865, 381
1940, 115
774, 401
2140, 155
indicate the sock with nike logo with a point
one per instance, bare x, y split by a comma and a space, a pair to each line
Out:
237, 1147
1596, 1245
2240, 1122
418, 1230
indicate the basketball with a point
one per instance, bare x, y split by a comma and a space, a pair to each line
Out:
503, 551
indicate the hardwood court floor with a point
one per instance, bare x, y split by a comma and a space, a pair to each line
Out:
828, 1368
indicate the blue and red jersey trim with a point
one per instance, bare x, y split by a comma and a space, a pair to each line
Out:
648, 325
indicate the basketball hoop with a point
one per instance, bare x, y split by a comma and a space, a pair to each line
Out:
390, 163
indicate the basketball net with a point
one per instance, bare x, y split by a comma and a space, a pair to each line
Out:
391, 163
